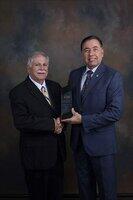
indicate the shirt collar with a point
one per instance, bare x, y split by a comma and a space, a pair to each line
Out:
93, 70
39, 86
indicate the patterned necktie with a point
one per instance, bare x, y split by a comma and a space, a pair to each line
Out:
45, 93
86, 83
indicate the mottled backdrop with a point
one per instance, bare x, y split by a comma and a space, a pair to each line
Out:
58, 26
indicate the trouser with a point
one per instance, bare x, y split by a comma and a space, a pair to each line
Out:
46, 184
93, 171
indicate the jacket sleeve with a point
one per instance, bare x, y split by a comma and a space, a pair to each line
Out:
113, 109
24, 120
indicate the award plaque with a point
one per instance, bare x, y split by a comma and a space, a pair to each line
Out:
66, 102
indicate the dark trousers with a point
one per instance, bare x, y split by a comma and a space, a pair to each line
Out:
95, 171
46, 184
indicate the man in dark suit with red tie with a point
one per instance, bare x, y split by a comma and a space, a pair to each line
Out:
36, 108
97, 93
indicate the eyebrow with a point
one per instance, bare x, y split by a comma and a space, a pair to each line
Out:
91, 48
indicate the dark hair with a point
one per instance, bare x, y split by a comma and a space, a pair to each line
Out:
90, 38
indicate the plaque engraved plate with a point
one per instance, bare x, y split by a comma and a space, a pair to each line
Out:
66, 102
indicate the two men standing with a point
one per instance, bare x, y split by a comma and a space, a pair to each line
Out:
97, 93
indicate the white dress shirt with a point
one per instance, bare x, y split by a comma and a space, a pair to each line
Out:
39, 86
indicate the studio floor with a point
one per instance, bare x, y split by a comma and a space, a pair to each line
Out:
65, 198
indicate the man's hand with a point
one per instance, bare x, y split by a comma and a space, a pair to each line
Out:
58, 126
75, 119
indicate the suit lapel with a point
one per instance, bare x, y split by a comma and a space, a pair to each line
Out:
79, 85
36, 92
95, 78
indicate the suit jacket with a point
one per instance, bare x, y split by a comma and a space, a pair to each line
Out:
101, 107
33, 117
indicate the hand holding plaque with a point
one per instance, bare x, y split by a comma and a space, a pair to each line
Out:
75, 119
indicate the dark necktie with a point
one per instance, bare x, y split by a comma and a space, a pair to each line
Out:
86, 83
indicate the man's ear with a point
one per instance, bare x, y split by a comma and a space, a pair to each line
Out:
102, 51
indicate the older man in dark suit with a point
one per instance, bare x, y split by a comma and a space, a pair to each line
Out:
97, 104
35, 106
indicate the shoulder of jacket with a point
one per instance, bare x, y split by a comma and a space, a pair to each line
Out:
18, 87
52, 83
112, 74
111, 70
77, 70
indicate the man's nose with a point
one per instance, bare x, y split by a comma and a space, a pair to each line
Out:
91, 52
42, 67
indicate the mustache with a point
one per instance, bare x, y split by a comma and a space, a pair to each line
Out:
42, 71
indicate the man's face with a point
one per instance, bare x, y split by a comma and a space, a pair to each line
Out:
92, 53
38, 69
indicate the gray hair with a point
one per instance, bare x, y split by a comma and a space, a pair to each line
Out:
34, 54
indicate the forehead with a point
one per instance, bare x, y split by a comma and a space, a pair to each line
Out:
39, 58
91, 43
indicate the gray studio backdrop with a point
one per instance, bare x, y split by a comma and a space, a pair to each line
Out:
58, 26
